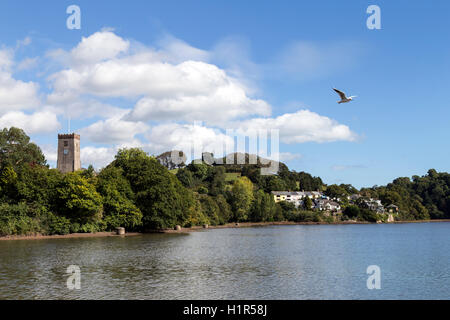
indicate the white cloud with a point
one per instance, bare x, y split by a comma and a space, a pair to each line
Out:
288, 156
6, 59
86, 109
176, 51
167, 86
50, 152
184, 91
113, 130
302, 126
27, 63
38, 122
219, 106
15, 94
23, 43
186, 138
98, 157
233, 54
98, 47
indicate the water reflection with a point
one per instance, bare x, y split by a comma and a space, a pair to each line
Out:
278, 262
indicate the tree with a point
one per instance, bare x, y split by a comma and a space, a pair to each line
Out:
78, 200
16, 149
241, 198
288, 211
119, 208
8, 183
185, 176
263, 207
162, 199
348, 188
216, 180
308, 182
210, 209
275, 183
225, 213
335, 191
308, 203
199, 170
38, 184
352, 211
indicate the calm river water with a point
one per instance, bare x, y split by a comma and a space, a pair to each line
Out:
276, 262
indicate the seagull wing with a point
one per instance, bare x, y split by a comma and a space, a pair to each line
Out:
341, 94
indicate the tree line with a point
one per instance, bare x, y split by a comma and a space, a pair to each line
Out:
137, 192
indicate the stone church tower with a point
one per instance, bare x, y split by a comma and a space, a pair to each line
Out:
68, 152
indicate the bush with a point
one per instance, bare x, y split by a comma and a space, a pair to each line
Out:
368, 215
14, 220
203, 190
57, 224
78, 199
209, 208
352, 211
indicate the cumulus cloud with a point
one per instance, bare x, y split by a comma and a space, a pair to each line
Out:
219, 106
182, 90
170, 87
38, 122
302, 126
113, 130
15, 94
176, 51
98, 157
288, 156
186, 137
50, 152
86, 108
6, 59
97, 47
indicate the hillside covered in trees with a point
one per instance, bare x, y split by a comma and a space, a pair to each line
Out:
137, 192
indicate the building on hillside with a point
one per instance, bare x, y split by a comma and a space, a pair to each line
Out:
68, 152
296, 197
374, 205
314, 194
326, 205
353, 197
288, 196
392, 208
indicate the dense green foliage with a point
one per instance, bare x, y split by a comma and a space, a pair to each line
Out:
363, 214
16, 149
420, 198
137, 192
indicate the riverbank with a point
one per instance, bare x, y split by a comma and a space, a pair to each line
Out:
282, 223
252, 225
198, 228
66, 236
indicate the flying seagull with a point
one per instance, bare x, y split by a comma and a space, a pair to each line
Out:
343, 97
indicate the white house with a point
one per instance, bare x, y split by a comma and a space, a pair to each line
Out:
327, 205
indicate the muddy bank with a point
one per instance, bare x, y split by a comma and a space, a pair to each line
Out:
65, 236
196, 228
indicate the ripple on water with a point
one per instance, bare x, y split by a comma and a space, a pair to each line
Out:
277, 262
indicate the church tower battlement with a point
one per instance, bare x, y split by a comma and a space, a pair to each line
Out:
68, 152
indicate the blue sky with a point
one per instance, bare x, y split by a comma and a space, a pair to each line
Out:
282, 56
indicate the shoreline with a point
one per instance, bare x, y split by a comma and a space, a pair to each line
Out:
68, 236
283, 223
197, 228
